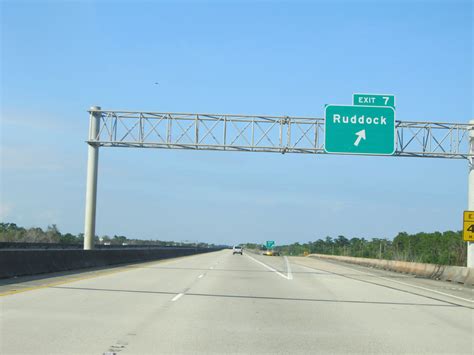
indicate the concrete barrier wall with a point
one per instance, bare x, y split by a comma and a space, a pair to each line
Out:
80, 246
458, 274
31, 262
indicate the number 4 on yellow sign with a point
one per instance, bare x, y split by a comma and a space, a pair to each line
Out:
468, 232
468, 226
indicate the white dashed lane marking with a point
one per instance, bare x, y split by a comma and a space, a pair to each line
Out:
177, 297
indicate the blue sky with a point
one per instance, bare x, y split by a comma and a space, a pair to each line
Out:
58, 58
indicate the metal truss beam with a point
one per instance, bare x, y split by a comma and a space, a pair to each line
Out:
248, 133
221, 132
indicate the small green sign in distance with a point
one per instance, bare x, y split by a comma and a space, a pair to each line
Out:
360, 130
374, 100
270, 243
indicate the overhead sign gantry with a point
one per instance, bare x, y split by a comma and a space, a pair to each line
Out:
367, 127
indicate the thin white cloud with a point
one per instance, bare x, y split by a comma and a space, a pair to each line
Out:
36, 159
5, 210
37, 121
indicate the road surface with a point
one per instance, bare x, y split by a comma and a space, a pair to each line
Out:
220, 303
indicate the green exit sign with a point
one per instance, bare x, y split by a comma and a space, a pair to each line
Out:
360, 130
374, 100
270, 244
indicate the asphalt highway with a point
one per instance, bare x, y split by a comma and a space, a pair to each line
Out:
219, 303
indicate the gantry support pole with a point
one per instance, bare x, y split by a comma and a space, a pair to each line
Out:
470, 206
91, 184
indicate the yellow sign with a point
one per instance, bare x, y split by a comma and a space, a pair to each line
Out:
468, 226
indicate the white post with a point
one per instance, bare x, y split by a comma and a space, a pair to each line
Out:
91, 185
470, 202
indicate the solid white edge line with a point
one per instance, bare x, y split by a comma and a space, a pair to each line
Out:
177, 297
288, 269
407, 284
268, 267
428, 289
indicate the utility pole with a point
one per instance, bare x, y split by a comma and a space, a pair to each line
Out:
91, 184
470, 201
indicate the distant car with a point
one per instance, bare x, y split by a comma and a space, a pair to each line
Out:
271, 253
237, 250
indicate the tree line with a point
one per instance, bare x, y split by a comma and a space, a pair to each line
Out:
446, 248
10, 232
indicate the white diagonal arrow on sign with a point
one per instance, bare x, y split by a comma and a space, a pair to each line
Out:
360, 135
